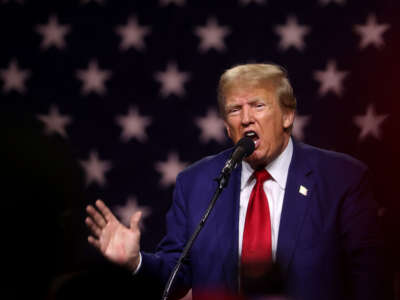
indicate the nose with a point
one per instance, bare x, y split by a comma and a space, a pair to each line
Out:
247, 116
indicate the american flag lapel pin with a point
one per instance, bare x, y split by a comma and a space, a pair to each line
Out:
303, 190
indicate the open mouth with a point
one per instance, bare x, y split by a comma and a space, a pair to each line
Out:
254, 136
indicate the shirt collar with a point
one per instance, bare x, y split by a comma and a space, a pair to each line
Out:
278, 168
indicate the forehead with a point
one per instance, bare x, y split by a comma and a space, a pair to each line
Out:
245, 93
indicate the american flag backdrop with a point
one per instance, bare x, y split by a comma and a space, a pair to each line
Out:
111, 99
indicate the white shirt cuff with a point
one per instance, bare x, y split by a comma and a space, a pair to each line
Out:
139, 265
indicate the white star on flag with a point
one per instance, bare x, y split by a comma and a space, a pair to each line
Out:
172, 80
132, 34
326, 2
14, 78
53, 34
54, 122
247, 2
212, 35
133, 125
170, 169
369, 123
176, 2
371, 33
300, 122
126, 211
95, 169
331, 79
212, 127
292, 34
93, 78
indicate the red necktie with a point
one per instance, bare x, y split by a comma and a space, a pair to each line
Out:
256, 247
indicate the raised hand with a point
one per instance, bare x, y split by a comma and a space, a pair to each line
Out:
115, 241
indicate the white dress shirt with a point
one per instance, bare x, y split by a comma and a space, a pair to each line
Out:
274, 189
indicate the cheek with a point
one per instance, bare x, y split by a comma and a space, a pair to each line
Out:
228, 128
271, 134
269, 129
228, 132
232, 133
233, 127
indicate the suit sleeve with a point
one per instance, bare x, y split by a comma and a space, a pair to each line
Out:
362, 241
158, 266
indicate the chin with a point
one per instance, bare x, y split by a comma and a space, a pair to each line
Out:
256, 160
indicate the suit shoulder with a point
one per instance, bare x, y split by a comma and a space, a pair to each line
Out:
322, 158
211, 165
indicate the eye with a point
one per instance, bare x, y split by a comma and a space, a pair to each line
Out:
233, 110
259, 105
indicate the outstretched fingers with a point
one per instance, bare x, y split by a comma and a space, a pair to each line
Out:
96, 216
94, 241
94, 228
106, 212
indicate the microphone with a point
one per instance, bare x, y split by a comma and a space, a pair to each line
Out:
243, 148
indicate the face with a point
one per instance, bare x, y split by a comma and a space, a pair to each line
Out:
255, 112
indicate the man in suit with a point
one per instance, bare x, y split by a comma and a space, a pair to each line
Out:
307, 210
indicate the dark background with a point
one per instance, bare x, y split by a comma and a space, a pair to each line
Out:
45, 194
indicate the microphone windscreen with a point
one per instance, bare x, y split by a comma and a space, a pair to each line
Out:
247, 145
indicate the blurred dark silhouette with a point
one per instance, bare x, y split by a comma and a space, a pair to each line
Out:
40, 195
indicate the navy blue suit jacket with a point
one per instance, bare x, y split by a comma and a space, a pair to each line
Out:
328, 242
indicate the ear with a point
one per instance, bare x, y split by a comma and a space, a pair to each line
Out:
288, 118
228, 131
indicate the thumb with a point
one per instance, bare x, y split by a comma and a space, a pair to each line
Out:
135, 219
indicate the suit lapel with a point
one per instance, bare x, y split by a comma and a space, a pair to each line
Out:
299, 188
227, 228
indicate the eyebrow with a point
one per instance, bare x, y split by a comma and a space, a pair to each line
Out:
251, 101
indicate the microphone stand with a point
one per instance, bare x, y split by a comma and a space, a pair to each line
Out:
222, 183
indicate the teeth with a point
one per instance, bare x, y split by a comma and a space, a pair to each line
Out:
250, 134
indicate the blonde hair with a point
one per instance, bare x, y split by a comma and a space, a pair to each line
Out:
257, 75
